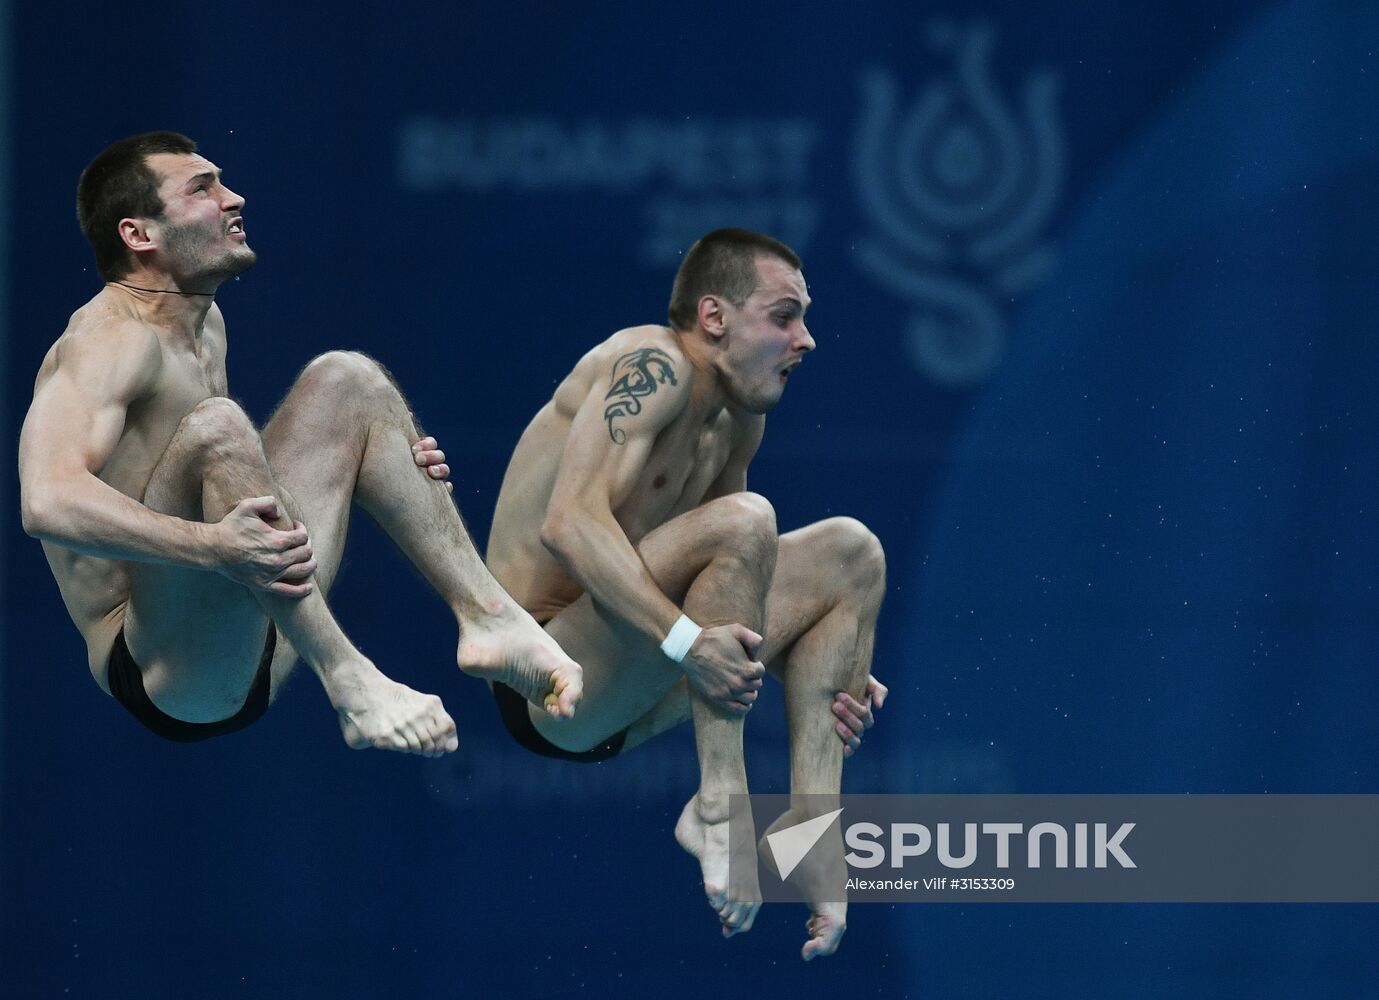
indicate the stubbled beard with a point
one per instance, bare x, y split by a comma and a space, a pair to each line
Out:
188, 255
234, 263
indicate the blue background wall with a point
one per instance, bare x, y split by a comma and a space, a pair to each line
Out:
1094, 302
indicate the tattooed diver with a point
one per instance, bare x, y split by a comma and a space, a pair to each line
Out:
624, 524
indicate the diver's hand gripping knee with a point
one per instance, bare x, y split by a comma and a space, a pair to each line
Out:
722, 664
246, 548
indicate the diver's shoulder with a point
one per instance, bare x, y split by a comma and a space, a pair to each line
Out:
102, 325
650, 343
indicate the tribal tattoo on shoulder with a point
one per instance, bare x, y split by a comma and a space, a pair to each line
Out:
635, 375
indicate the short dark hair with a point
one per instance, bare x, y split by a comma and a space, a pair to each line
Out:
119, 184
721, 263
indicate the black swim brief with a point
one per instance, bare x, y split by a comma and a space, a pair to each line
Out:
512, 707
127, 685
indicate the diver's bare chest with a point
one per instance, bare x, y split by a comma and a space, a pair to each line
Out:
151, 424
184, 384
679, 472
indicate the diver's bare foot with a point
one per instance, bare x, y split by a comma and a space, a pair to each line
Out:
825, 929
821, 877
385, 715
510, 647
702, 830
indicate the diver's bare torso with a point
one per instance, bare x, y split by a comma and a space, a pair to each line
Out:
685, 461
96, 590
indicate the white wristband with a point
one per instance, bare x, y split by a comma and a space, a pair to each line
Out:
680, 638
